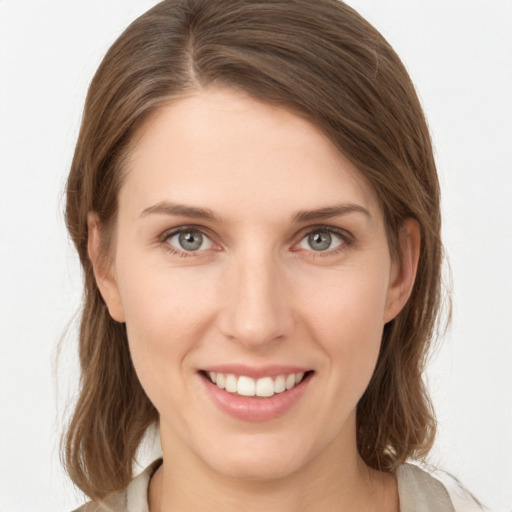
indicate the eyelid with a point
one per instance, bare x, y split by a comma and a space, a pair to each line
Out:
169, 233
180, 229
346, 237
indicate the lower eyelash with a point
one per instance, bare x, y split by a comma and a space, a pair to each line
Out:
348, 242
176, 252
333, 252
172, 249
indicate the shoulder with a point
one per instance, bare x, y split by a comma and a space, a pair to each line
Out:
421, 492
115, 502
132, 499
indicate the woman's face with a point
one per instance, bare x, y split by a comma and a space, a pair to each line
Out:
249, 252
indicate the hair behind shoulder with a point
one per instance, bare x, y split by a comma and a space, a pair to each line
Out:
324, 62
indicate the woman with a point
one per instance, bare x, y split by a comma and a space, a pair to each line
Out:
255, 204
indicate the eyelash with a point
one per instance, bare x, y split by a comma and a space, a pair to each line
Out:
347, 241
173, 250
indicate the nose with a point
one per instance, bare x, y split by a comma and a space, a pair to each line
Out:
258, 309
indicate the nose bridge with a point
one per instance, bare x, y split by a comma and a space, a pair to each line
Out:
259, 309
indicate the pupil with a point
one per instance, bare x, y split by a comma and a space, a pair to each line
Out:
191, 241
320, 240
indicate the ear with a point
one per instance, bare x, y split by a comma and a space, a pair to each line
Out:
404, 275
104, 271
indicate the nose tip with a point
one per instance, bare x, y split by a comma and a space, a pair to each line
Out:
258, 311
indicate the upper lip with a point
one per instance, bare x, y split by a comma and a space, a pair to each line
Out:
255, 372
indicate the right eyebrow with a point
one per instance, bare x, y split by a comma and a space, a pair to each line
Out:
167, 208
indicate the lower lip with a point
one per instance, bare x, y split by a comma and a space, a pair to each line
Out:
255, 408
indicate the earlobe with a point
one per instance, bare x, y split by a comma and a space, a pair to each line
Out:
103, 269
404, 275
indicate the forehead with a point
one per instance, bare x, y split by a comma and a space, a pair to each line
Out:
221, 149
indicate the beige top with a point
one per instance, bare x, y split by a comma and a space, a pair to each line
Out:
417, 491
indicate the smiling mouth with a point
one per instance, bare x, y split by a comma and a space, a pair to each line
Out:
264, 387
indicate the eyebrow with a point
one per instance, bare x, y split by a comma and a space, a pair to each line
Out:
329, 212
166, 208
301, 216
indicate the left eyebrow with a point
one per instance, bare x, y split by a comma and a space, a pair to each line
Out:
328, 212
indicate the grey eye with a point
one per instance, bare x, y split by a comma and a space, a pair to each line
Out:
190, 240
321, 240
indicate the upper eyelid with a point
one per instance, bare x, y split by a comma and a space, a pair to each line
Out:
180, 229
342, 233
346, 238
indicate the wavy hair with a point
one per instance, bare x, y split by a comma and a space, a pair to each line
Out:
324, 62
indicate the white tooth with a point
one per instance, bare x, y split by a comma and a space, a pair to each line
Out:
221, 380
265, 386
299, 377
231, 383
290, 381
246, 386
280, 384
213, 376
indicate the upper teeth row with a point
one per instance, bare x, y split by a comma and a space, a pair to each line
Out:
247, 386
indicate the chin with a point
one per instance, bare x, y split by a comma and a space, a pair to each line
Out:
258, 469
255, 461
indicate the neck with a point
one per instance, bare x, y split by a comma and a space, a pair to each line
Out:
335, 480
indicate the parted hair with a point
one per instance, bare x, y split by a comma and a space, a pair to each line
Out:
322, 61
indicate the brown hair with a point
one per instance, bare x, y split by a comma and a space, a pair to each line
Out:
323, 61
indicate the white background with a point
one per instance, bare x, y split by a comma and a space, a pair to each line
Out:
459, 54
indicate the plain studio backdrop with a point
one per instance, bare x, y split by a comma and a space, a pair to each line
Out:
459, 54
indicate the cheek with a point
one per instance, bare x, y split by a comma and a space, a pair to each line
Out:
165, 313
348, 322
159, 300
349, 303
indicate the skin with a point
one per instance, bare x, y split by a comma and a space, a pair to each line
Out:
255, 293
